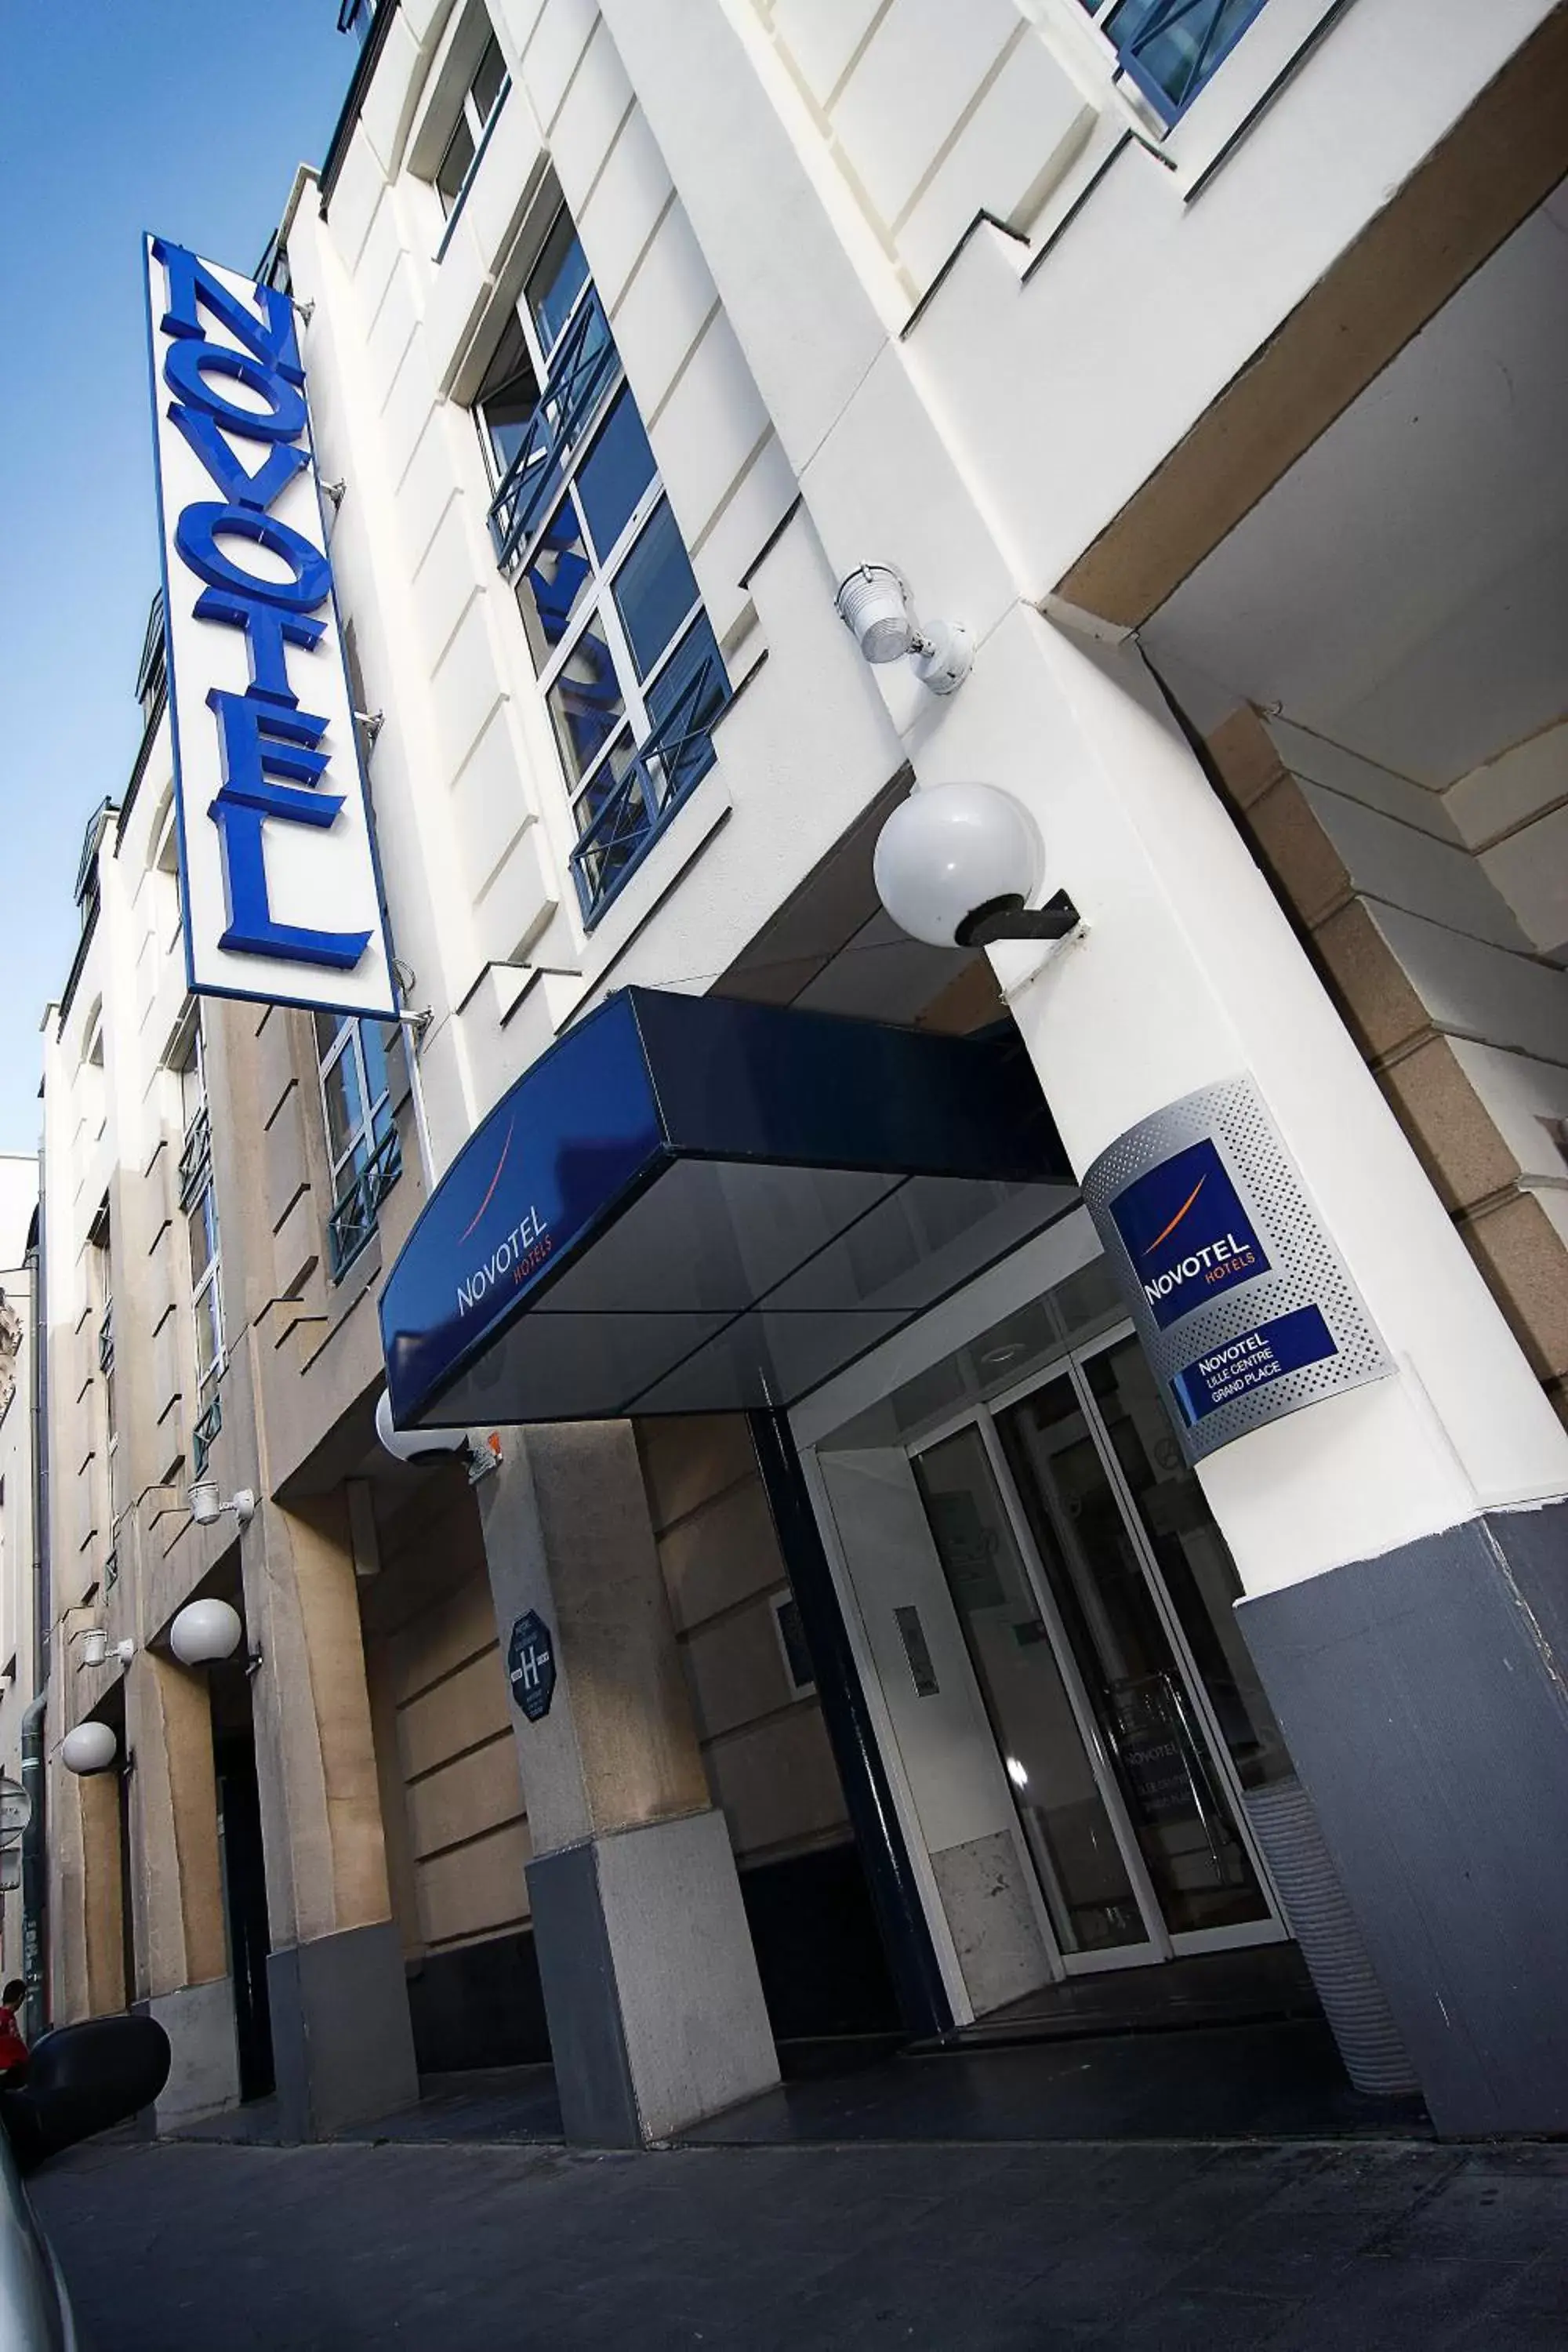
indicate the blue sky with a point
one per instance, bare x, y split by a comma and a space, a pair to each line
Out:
183, 115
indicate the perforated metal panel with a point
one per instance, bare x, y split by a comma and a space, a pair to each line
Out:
1304, 1269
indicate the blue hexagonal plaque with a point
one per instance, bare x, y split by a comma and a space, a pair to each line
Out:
531, 1665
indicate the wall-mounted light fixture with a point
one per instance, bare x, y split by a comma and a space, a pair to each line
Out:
95, 1650
874, 605
208, 1506
205, 1633
435, 1445
956, 865
89, 1748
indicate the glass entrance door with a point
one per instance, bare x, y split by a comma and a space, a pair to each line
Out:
1094, 1594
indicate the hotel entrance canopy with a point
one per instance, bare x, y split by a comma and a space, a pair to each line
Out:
697, 1204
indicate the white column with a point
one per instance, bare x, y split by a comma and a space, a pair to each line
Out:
1189, 973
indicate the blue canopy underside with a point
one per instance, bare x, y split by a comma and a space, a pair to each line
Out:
697, 1204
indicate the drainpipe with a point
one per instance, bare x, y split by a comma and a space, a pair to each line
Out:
35, 1864
35, 1871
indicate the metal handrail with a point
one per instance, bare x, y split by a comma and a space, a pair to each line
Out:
652, 786
585, 367
195, 1155
1202, 66
203, 1435
352, 1225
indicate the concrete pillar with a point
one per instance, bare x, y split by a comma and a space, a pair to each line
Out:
650, 1982
86, 1931
342, 2042
1402, 1544
101, 1988
177, 1896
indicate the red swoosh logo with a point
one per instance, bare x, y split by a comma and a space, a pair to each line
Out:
1155, 1245
494, 1179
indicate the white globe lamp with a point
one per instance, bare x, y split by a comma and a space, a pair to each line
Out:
205, 1632
955, 865
90, 1748
415, 1444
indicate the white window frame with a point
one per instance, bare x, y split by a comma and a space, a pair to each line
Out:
207, 1289
349, 1042
636, 720
477, 124
345, 1173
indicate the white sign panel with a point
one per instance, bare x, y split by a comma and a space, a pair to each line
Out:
281, 898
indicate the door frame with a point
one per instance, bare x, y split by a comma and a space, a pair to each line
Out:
983, 1415
1068, 1245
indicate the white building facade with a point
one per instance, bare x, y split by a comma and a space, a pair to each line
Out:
876, 1515
20, 1666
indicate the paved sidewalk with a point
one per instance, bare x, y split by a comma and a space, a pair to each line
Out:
1147, 2248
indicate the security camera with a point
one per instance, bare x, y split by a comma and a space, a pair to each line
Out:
955, 865
874, 605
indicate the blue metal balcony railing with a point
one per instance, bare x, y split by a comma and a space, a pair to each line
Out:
1170, 49
204, 1436
676, 756
586, 365
195, 1156
352, 1225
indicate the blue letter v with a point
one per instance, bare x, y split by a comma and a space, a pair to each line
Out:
282, 461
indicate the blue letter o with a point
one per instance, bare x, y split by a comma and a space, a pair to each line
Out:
186, 366
196, 536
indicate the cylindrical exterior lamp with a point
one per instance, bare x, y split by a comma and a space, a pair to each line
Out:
206, 1632
90, 1748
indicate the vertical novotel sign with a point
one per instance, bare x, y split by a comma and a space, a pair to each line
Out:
282, 899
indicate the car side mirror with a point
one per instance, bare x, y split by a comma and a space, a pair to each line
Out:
80, 2079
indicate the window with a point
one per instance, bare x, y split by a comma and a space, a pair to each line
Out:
627, 658
152, 672
1169, 48
356, 17
98, 1270
486, 86
361, 1135
198, 1202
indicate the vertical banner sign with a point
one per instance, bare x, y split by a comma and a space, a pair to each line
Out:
1244, 1307
281, 897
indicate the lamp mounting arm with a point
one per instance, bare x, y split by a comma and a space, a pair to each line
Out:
1008, 918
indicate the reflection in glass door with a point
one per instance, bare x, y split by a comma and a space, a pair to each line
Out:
1095, 1593
1174, 1796
1083, 1872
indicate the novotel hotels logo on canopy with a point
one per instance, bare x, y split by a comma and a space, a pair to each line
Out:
281, 899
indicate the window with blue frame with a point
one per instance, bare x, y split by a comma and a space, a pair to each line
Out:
627, 658
1169, 48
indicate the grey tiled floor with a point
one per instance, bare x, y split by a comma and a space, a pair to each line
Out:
1158, 2245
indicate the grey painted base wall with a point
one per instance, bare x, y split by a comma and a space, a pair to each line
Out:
657, 2016
1425, 1698
341, 2041
203, 2067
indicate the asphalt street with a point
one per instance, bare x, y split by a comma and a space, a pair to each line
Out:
188, 2247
